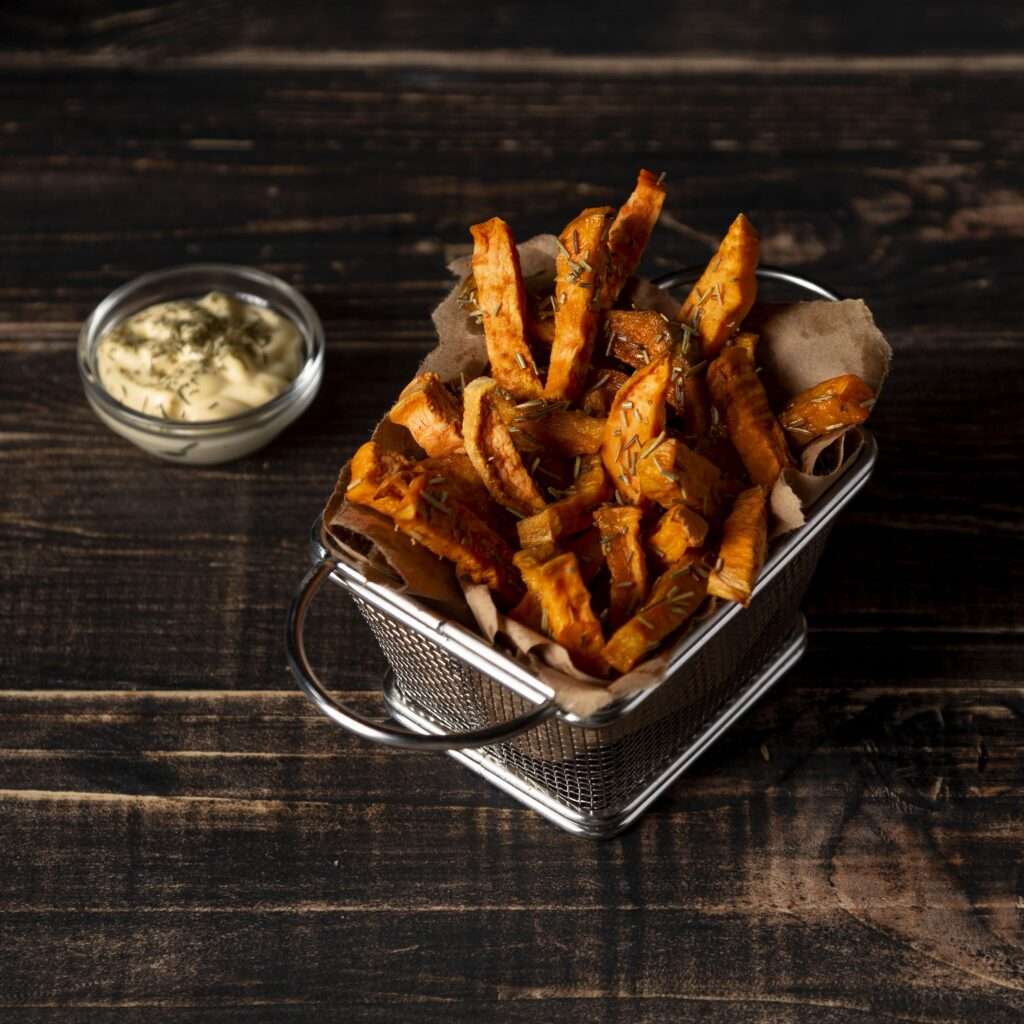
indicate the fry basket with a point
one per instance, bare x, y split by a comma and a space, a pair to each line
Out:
450, 690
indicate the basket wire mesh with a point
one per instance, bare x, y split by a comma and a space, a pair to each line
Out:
594, 776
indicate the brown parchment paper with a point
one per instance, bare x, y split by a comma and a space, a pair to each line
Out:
801, 344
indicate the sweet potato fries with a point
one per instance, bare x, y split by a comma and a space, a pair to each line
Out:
611, 469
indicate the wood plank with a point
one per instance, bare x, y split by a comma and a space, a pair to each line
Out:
172, 29
273, 745
524, 62
823, 846
914, 205
424, 959
171, 885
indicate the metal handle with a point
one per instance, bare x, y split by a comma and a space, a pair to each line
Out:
389, 735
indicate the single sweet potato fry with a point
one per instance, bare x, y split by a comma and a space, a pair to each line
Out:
843, 401
572, 513
494, 456
501, 300
678, 531
635, 426
371, 467
726, 290
674, 474
755, 433
741, 553
675, 596
431, 413
566, 615
630, 232
580, 269
627, 564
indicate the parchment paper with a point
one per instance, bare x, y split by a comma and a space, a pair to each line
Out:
801, 344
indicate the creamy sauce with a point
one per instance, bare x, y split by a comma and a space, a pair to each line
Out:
199, 359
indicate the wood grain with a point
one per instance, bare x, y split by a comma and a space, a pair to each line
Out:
181, 834
175, 29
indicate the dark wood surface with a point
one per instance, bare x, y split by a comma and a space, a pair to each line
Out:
180, 832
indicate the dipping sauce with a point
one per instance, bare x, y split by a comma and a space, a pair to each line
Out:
199, 359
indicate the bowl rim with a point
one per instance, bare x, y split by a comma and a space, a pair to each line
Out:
259, 281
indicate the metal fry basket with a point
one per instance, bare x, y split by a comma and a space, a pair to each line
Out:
448, 689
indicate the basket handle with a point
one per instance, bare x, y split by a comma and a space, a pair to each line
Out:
392, 736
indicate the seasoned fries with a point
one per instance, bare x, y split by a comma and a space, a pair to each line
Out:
565, 612
741, 553
429, 411
726, 290
501, 299
623, 548
675, 596
456, 474
638, 336
372, 469
635, 426
553, 428
753, 430
674, 474
586, 546
572, 513
580, 269
589, 557
678, 531
493, 454
630, 232
604, 499
443, 524
831, 405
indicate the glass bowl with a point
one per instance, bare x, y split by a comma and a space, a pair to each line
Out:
215, 441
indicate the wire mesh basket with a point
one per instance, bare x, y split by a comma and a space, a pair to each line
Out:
450, 690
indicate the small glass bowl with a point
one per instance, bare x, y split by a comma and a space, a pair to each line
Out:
204, 443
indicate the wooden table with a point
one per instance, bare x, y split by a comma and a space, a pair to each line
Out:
180, 832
